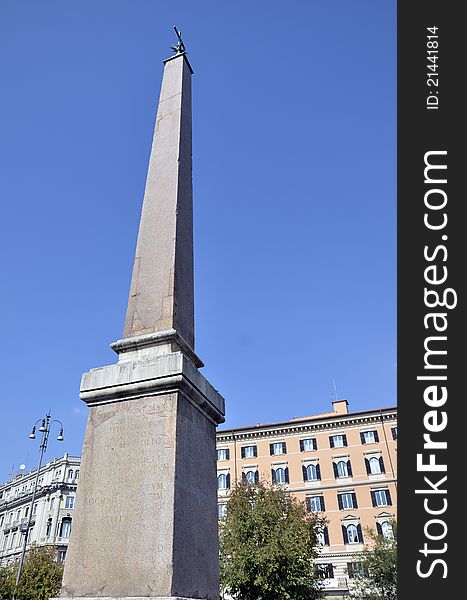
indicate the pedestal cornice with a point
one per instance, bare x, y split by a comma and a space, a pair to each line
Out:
152, 370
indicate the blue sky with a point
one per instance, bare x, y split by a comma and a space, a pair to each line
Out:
294, 186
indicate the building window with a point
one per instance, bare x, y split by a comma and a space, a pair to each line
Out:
52, 502
223, 481
222, 510
277, 448
249, 452
315, 504
342, 468
347, 500
369, 437
338, 441
356, 569
65, 527
280, 475
385, 529
77, 474
374, 465
308, 445
394, 433
325, 571
322, 535
381, 498
352, 534
223, 454
61, 555
69, 502
48, 528
250, 477
70, 475
26, 511
311, 472
34, 509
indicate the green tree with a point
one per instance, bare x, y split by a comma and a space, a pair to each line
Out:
41, 577
7, 582
268, 544
375, 577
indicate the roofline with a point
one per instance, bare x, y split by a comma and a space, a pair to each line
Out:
322, 417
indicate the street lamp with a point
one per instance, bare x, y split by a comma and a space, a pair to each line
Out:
45, 430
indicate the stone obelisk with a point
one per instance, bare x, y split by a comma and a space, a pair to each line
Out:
145, 519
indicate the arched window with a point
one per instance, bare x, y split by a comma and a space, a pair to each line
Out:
311, 473
70, 474
222, 481
352, 534
48, 528
386, 530
342, 469
65, 527
250, 477
280, 475
77, 474
375, 466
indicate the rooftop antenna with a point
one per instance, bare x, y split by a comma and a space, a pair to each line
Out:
334, 391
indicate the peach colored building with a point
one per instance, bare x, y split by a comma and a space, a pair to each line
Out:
342, 464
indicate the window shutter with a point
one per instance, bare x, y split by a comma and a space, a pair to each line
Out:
376, 436
330, 571
326, 536
227, 454
304, 473
315, 444
243, 476
255, 451
308, 504
344, 534
379, 529
359, 533
350, 570
287, 475
345, 439
331, 441
388, 498
354, 500
339, 502
302, 449
321, 501
394, 434
318, 472
271, 449
284, 448
228, 481
381, 464
362, 437
349, 468
373, 498
334, 466
242, 451
256, 476
367, 465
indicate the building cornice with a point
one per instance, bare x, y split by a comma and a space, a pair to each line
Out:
295, 427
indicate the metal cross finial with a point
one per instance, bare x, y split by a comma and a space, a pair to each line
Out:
180, 47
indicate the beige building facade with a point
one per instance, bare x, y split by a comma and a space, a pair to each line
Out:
52, 513
342, 464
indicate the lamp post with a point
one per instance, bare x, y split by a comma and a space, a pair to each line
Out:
25, 527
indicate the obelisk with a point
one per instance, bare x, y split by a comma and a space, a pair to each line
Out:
145, 518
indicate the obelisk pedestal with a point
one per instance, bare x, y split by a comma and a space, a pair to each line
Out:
145, 517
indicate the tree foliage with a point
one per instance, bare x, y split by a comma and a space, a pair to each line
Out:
41, 577
267, 545
377, 577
